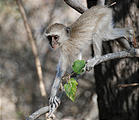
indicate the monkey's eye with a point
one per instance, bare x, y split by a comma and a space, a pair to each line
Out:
56, 37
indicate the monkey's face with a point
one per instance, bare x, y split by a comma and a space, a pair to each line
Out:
56, 35
54, 41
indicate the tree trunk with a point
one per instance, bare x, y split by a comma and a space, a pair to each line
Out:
119, 103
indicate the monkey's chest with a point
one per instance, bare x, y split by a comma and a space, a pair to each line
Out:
71, 55
70, 52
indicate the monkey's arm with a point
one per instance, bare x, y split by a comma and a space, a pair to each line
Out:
61, 68
54, 101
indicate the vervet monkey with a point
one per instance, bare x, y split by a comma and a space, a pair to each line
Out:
92, 27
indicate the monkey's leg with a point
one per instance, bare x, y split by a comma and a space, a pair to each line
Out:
114, 33
97, 46
120, 33
126, 35
124, 43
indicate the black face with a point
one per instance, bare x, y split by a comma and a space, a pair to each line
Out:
50, 39
53, 41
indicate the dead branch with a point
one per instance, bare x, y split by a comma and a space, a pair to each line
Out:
128, 85
75, 4
33, 46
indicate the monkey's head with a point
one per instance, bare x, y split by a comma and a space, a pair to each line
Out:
57, 34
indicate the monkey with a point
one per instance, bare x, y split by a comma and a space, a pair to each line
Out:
94, 26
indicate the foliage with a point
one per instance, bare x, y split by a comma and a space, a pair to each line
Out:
78, 66
71, 86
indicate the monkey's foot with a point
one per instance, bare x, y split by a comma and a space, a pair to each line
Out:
54, 102
51, 117
132, 51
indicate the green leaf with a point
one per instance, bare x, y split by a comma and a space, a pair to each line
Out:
71, 88
78, 66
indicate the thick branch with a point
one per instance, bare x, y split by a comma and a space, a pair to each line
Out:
123, 54
75, 4
33, 46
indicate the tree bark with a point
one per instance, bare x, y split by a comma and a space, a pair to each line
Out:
119, 103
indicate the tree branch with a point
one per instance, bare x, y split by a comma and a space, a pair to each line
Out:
33, 46
38, 113
97, 60
128, 85
75, 4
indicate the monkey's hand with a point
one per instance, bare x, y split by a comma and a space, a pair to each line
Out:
91, 63
54, 102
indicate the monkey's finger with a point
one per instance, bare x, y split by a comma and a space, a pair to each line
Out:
54, 100
54, 103
51, 100
53, 107
50, 118
51, 111
57, 100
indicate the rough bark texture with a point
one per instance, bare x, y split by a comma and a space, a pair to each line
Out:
117, 103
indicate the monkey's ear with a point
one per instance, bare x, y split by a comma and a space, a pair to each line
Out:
68, 29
